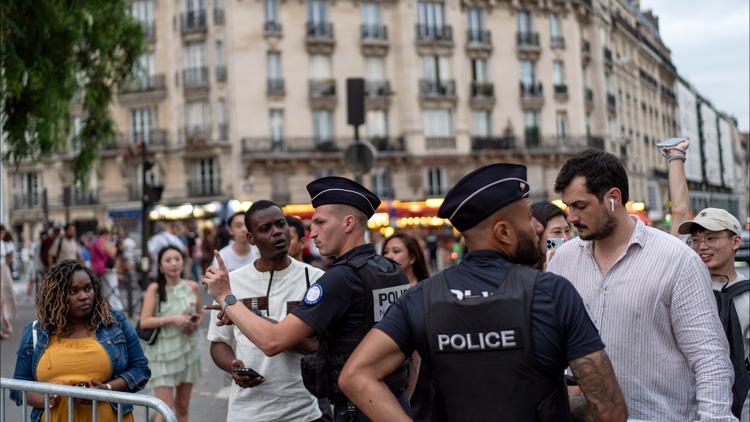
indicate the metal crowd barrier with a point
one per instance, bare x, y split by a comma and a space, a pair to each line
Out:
95, 395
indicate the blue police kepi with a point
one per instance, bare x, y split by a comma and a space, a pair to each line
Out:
353, 294
494, 335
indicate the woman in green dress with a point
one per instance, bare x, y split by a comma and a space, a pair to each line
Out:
172, 304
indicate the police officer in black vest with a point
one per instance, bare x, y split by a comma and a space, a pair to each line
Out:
495, 335
342, 306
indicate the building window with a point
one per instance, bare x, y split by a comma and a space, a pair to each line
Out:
323, 126
562, 124
528, 75
475, 22
436, 68
221, 70
222, 118
145, 70
206, 177
28, 194
554, 27
531, 128
377, 124
320, 173
524, 21
143, 11
374, 69
276, 120
195, 64
381, 183
371, 14
317, 12
481, 127
435, 181
273, 65
438, 123
142, 125
198, 120
320, 67
558, 75
479, 70
430, 16
280, 187
271, 11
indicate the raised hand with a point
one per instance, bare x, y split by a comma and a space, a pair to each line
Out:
217, 279
244, 381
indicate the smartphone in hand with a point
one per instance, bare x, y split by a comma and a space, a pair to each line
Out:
250, 372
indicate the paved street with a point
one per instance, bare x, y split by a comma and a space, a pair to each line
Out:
209, 399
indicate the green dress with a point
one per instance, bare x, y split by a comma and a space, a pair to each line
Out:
175, 357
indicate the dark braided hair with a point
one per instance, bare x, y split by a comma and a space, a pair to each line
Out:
52, 299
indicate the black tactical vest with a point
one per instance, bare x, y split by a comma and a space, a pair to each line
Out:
380, 288
481, 355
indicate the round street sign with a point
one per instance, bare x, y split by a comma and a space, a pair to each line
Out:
359, 157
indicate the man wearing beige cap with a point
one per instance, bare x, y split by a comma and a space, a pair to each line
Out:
715, 237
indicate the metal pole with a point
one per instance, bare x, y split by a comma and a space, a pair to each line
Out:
357, 177
144, 264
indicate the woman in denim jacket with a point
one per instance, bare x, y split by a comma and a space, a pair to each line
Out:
79, 341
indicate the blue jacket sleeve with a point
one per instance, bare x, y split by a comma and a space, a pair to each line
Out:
137, 372
24, 362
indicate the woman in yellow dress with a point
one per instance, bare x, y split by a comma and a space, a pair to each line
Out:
79, 341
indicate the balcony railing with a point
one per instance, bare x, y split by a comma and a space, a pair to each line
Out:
145, 83
611, 101
221, 73
195, 77
434, 33
25, 201
607, 56
90, 197
194, 20
479, 143
275, 86
320, 88
557, 41
482, 89
272, 28
531, 137
561, 89
223, 131
479, 36
149, 137
373, 32
197, 136
433, 88
527, 39
218, 16
149, 30
441, 142
531, 90
377, 88
204, 187
319, 30
264, 146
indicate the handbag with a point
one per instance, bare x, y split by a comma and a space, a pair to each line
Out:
149, 335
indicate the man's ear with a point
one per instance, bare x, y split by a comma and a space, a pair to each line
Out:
503, 233
250, 238
349, 221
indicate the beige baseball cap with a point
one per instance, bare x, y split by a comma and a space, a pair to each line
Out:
712, 219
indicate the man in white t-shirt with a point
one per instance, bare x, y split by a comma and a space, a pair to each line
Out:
715, 236
239, 252
271, 286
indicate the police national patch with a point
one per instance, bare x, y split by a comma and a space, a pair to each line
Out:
314, 294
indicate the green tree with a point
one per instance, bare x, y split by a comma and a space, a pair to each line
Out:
55, 54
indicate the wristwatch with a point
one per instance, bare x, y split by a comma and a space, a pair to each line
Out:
228, 301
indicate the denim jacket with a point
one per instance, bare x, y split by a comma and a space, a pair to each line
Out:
120, 342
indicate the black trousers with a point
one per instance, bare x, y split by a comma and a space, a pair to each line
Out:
348, 413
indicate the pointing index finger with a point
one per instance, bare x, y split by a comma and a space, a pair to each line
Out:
219, 261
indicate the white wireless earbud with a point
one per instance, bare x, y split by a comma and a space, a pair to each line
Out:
612, 202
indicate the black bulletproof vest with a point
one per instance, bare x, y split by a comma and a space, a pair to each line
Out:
380, 288
481, 356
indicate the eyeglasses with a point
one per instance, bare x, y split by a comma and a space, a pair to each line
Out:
710, 241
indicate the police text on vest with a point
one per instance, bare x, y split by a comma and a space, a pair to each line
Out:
479, 342
382, 299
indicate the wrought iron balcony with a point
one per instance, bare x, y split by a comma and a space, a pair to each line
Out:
89, 197
149, 137
532, 137
319, 88
378, 88
432, 34
145, 83
193, 21
611, 103
561, 91
275, 87
221, 73
373, 32
26, 200
532, 95
201, 188
429, 88
527, 39
479, 143
482, 94
195, 77
585, 51
218, 16
149, 30
557, 41
319, 37
272, 28
478, 42
588, 97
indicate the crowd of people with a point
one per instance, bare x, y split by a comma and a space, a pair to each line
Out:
525, 310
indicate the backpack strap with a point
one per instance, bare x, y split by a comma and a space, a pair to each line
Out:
736, 289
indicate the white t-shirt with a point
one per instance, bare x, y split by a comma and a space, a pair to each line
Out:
232, 260
282, 396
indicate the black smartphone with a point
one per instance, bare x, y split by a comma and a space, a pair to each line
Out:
248, 372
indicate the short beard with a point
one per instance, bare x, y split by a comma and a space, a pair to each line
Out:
610, 223
527, 251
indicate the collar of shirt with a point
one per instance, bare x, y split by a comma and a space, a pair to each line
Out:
638, 237
366, 249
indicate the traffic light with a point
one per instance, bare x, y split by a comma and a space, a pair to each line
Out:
153, 194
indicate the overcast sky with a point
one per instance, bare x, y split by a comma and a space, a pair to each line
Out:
710, 43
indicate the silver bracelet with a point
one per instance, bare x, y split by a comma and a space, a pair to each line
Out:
676, 157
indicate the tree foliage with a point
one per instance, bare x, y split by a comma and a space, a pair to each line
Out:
56, 55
